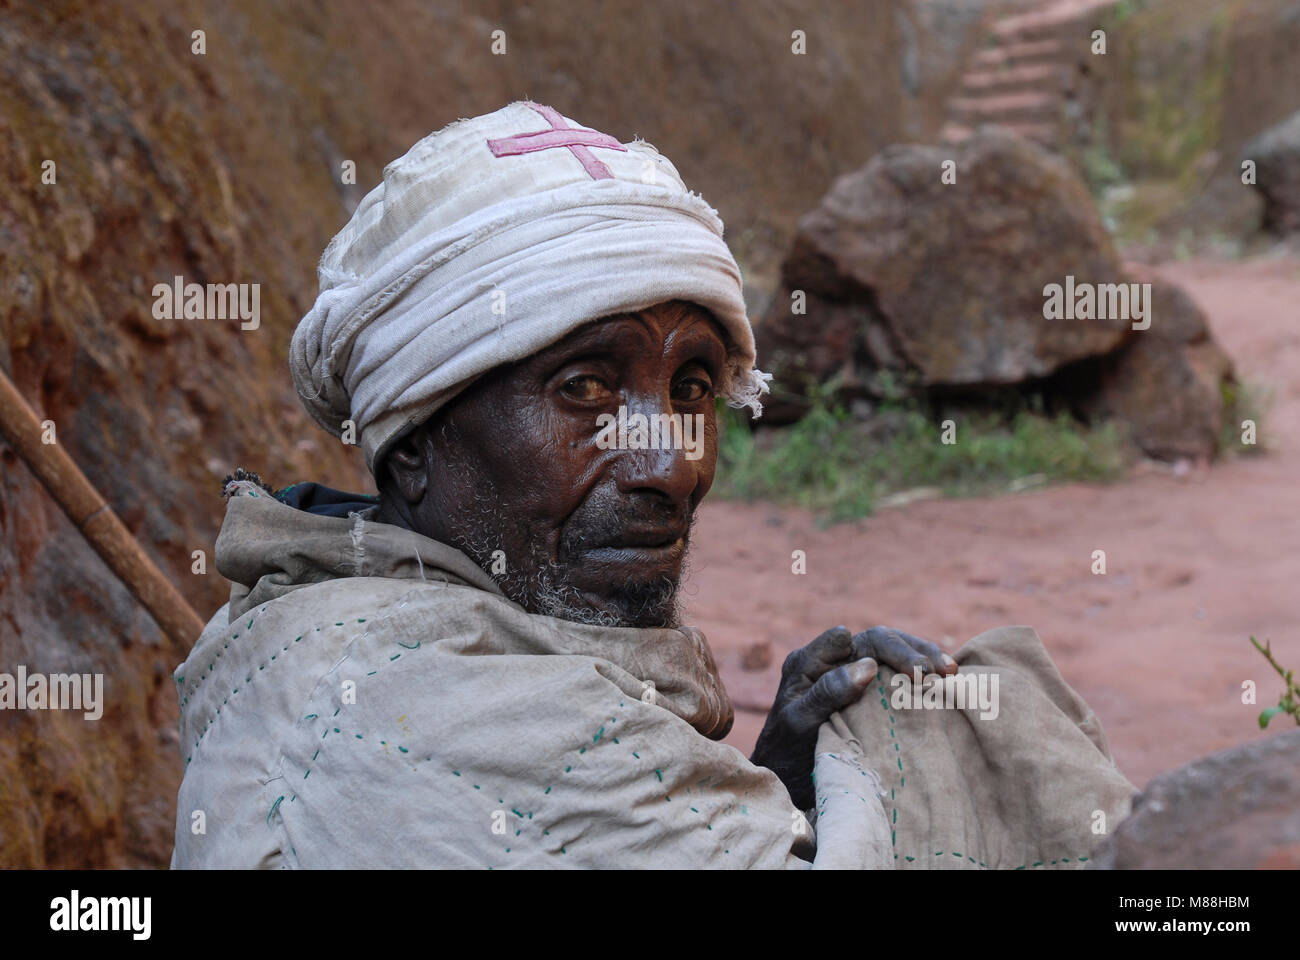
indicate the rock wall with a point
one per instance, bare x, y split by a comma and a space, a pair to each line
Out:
225, 168
1184, 85
1188, 82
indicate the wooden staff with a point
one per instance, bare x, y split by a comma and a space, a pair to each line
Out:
95, 518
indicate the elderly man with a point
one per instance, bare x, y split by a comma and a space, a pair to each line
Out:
485, 666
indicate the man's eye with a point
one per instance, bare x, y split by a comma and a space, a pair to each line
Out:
585, 387
693, 389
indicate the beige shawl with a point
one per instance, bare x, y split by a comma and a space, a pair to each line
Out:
368, 698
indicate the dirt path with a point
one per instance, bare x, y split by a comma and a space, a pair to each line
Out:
1158, 646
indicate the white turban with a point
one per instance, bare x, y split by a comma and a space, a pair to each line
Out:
490, 240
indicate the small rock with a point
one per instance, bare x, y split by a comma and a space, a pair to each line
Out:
1166, 385
757, 656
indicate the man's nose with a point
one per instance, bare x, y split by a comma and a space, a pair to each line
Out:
666, 469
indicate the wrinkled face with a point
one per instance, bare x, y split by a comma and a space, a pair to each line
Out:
589, 505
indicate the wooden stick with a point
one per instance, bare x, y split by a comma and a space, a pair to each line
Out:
96, 520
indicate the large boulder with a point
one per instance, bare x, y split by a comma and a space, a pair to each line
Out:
1233, 810
1166, 384
944, 285
1276, 153
947, 279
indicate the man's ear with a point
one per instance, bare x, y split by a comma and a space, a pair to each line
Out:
407, 466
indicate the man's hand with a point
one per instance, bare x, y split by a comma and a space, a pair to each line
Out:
827, 675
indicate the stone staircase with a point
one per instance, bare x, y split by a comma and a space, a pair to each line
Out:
1023, 77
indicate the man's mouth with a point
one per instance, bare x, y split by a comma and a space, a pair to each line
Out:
656, 548
647, 537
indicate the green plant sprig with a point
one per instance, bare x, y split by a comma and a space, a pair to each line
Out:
1290, 700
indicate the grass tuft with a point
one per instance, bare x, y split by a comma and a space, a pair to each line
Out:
1242, 401
842, 466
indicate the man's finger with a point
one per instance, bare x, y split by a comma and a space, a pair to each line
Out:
832, 647
888, 647
940, 660
834, 691
814, 659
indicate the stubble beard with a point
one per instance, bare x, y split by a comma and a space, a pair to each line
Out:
538, 585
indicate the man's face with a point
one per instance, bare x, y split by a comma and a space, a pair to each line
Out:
588, 529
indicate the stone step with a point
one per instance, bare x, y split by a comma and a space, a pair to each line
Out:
1053, 20
1028, 107
1043, 134
1019, 54
1024, 78
1077, 37
954, 133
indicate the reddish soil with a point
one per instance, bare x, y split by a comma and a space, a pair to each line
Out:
1197, 561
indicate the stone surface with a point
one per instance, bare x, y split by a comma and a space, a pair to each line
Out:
1276, 153
1238, 809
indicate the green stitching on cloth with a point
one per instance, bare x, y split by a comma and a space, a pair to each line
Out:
894, 833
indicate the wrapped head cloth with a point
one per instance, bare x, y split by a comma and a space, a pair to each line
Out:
490, 240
